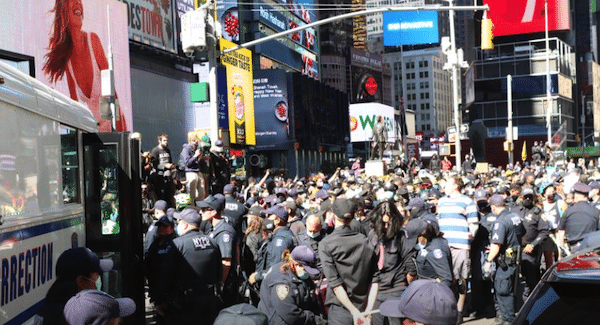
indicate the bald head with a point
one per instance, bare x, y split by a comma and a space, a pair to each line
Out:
313, 223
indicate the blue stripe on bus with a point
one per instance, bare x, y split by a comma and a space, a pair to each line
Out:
27, 314
37, 230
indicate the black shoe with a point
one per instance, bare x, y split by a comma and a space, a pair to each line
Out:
459, 319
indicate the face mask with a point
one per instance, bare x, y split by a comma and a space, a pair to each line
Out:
419, 246
313, 235
528, 203
304, 276
550, 198
98, 283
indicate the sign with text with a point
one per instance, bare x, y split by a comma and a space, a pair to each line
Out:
151, 22
271, 109
240, 94
364, 116
410, 28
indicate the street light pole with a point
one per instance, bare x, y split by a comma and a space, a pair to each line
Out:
548, 79
455, 64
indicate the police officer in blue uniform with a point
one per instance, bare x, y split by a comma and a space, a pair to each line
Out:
536, 232
271, 249
579, 219
194, 285
234, 211
434, 260
226, 239
503, 250
287, 292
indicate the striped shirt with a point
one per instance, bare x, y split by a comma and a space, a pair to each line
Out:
454, 216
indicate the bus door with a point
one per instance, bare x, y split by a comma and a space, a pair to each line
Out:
113, 212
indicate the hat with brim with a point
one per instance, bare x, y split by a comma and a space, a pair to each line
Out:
216, 202
242, 314
190, 216
306, 257
423, 301
279, 211
80, 261
96, 307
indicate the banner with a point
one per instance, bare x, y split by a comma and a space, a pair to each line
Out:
28, 28
364, 116
151, 22
240, 94
271, 109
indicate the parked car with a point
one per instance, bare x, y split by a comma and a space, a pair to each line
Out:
569, 293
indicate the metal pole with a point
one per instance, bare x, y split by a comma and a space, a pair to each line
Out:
297, 166
583, 119
212, 75
113, 108
509, 131
548, 80
455, 86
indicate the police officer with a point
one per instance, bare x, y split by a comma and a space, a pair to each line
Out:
234, 210
536, 232
350, 267
503, 250
313, 235
579, 219
595, 194
434, 259
287, 292
193, 285
271, 249
226, 239
481, 288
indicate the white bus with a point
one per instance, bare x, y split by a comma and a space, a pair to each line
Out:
43, 191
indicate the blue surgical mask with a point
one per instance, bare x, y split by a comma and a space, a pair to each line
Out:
304, 276
313, 235
99, 283
419, 246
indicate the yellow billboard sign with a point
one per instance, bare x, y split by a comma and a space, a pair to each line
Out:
240, 94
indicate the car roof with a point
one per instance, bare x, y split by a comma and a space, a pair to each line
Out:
580, 266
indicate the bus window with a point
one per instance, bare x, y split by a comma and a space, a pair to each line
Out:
70, 165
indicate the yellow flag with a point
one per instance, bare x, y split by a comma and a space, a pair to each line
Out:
524, 152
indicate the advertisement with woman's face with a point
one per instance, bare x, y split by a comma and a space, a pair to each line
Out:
69, 42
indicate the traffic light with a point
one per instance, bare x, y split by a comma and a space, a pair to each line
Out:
486, 33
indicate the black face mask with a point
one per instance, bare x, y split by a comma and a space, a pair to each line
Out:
528, 203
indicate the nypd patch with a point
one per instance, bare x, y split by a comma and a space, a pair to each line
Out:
226, 238
437, 253
279, 242
282, 291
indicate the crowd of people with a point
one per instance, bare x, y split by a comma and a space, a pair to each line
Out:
336, 249
349, 248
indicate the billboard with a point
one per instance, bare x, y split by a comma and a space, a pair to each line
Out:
151, 22
410, 28
364, 116
511, 17
282, 21
240, 97
228, 16
33, 28
271, 110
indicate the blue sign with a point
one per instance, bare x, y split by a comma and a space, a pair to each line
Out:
222, 108
410, 28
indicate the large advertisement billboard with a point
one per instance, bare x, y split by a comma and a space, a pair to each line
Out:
69, 42
366, 72
240, 94
364, 116
511, 17
410, 27
271, 110
151, 22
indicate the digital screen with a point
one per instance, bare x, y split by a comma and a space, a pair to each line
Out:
410, 28
511, 17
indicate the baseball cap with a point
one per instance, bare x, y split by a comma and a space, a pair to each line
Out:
594, 185
190, 216
215, 202
228, 189
305, 256
321, 194
414, 228
160, 205
424, 301
279, 211
80, 261
96, 307
481, 195
289, 204
166, 220
255, 211
292, 192
581, 188
343, 208
281, 191
527, 191
497, 199
242, 314
415, 202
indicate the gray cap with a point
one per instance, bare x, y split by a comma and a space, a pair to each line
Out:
497, 199
190, 216
527, 191
581, 188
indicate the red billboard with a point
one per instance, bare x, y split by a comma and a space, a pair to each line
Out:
512, 17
